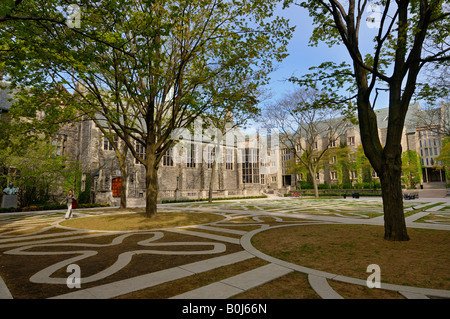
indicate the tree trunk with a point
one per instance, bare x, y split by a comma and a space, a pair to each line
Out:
123, 188
151, 183
211, 181
314, 182
394, 219
124, 175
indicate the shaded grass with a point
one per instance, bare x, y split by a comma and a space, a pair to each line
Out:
350, 291
435, 216
138, 221
291, 286
347, 250
180, 286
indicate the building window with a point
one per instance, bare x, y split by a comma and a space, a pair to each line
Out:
333, 159
59, 142
317, 176
211, 156
107, 146
167, 159
229, 159
333, 143
190, 161
250, 166
333, 175
351, 140
140, 151
274, 179
262, 179
83, 182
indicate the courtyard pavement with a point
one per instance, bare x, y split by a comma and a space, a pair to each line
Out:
49, 248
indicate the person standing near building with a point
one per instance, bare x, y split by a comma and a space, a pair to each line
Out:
69, 199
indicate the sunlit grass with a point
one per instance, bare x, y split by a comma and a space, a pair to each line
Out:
138, 221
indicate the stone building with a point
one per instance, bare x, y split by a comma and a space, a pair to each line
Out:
243, 169
422, 132
237, 171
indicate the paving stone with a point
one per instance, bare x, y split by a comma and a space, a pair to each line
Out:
234, 285
217, 290
415, 217
435, 208
256, 277
152, 279
125, 286
4, 291
411, 295
206, 235
322, 288
216, 262
221, 229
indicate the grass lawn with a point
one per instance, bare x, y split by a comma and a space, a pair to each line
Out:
347, 250
138, 221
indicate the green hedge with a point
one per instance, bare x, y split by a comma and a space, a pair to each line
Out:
164, 201
46, 207
335, 194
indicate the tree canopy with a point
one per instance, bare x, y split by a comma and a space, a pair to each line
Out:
147, 67
409, 35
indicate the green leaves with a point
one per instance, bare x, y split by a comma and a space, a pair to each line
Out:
39, 170
411, 168
6, 7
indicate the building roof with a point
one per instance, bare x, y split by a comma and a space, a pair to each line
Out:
410, 119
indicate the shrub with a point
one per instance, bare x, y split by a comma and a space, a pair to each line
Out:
8, 210
205, 199
305, 185
358, 186
323, 186
46, 207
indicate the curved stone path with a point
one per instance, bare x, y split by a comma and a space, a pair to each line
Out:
37, 235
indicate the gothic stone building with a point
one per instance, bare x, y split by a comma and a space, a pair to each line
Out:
236, 174
240, 172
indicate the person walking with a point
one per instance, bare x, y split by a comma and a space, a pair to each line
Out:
69, 199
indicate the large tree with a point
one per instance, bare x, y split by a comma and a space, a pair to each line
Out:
405, 32
156, 60
37, 169
309, 129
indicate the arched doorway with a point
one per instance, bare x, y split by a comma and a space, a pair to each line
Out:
116, 186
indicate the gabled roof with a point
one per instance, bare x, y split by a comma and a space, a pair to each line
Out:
410, 119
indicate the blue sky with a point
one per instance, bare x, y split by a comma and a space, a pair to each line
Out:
302, 56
